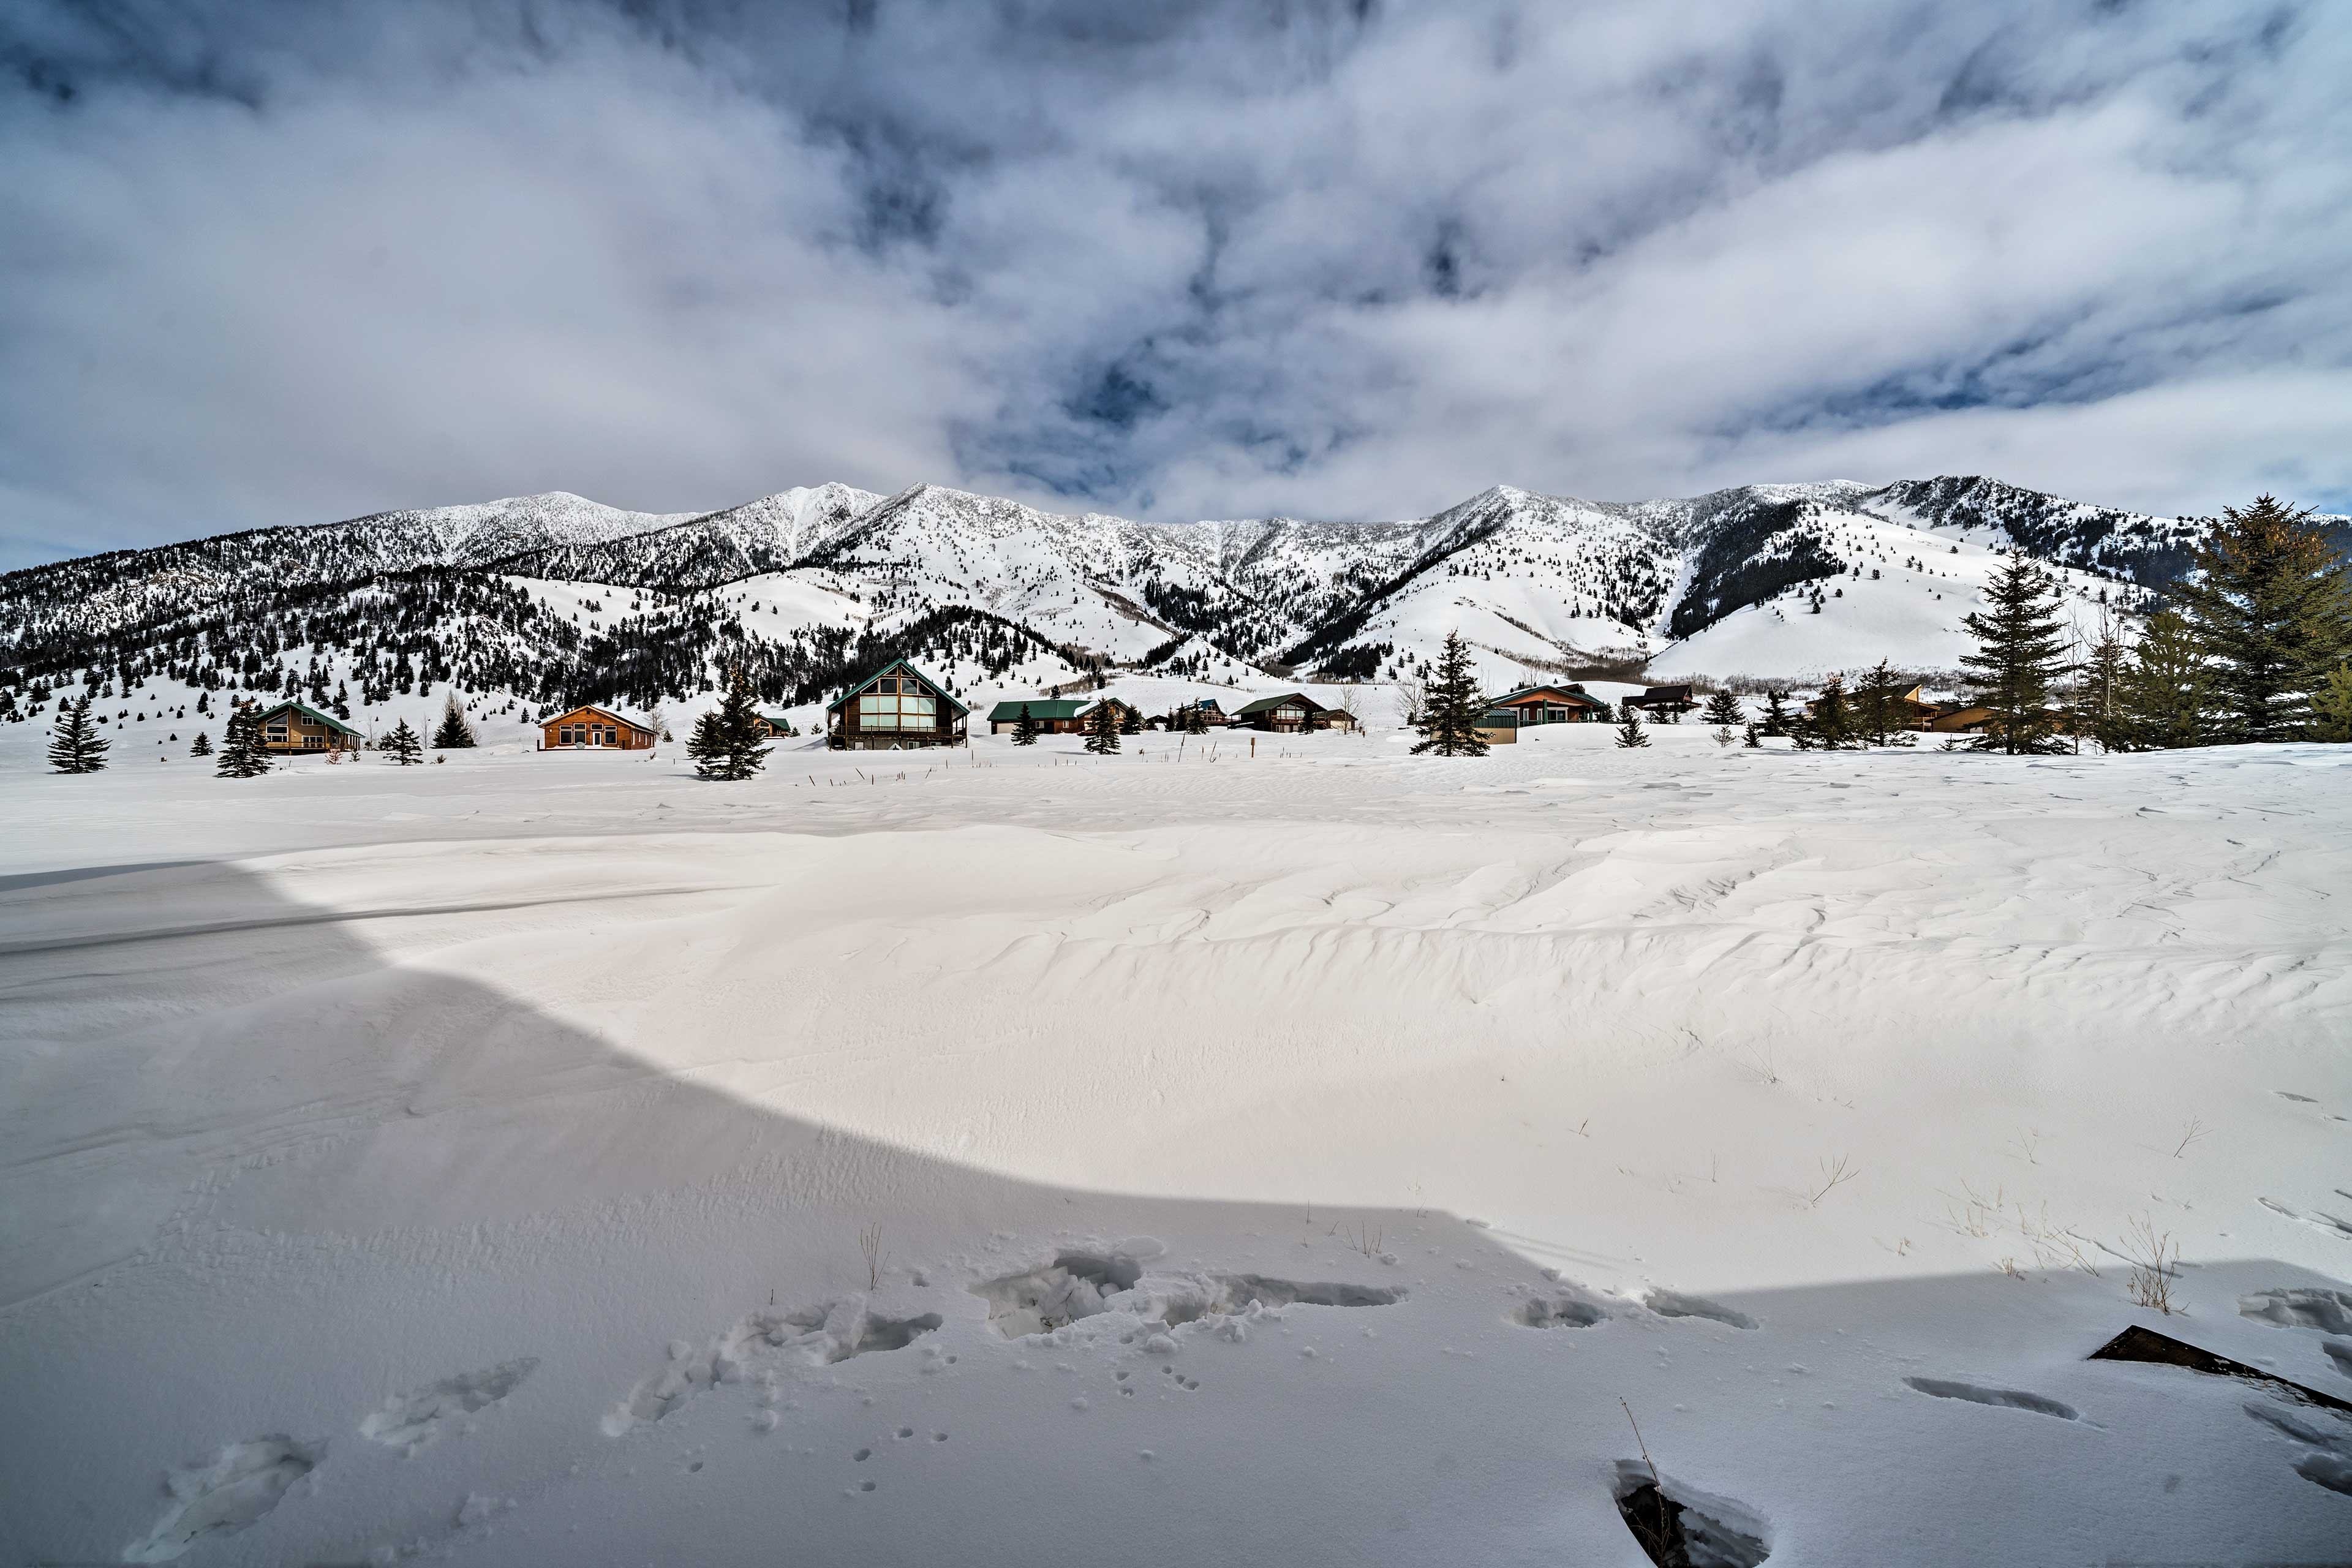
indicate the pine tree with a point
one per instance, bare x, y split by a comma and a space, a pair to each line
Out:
455, 734
1751, 740
244, 754
1877, 707
2165, 688
402, 745
202, 746
706, 747
1629, 733
77, 747
2331, 705
1723, 710
1130, 720
1102, 729
2271, 606
1196, 723
733, 747
2017, 658
1776, 712
2097, 708
1830, 725
1025, 729
1449, 719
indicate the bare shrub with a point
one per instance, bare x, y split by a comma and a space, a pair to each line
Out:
2155, 1258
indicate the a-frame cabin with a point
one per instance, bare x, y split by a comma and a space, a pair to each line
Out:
896, 706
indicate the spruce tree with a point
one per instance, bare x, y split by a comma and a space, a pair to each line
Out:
1723, 710
1130, 720
1776, 712
2020, 641
455, 734
1025, 729
1877, 707
77, 747
203, 747
244, 754
1629, 733
1449, 719
2270, 605
1831, 724
706, 747
1751, 740
2331, 705
2097, 708
735, 748
1102, 729
2166, 688
402, 746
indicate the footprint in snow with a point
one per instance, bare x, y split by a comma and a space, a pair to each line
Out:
411, 1421
2004, 1398
1675, 1304
223, 1495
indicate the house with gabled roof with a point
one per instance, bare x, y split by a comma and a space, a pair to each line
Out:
291, 729
1054, 715
590, 727
1533, 705
1288, 714
896, 706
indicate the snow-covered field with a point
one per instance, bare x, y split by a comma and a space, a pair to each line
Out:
471, 1161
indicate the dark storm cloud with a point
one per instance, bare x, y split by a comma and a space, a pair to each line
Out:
265, 263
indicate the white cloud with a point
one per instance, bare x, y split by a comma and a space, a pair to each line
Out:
1345, 268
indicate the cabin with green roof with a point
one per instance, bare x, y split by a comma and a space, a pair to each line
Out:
896, 706
291, 729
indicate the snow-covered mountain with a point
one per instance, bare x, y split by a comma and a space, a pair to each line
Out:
1765, 580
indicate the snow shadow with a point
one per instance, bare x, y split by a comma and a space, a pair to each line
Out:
309, 1256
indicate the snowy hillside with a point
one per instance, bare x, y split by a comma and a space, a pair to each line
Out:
1764, 583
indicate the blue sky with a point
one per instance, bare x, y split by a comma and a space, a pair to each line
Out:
266, 263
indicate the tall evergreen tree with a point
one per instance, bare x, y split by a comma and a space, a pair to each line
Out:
2164, 688
734, 746
77, 747
1102, 728
1025, 729
402, 746
2097, 707
202, 746
1831, 722
1449, 718
2017, 658
1776, 712
1629, 733
1130, 720
244, 753
1878, 706
1723, 710
455, 734
1196, 723
707, 746
2331, 705
2271, 608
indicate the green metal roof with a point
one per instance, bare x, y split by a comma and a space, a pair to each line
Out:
312, 714
1040, 708
896, 664
1266, 704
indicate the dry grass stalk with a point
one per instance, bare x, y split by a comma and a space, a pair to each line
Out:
2156, 1265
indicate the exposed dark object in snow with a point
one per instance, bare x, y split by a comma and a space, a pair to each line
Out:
1977, 1394
2136, 1344
1689, 1530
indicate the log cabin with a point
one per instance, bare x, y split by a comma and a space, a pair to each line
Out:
1051, 715
1672, 700
590, 727
896, 706
289, 729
